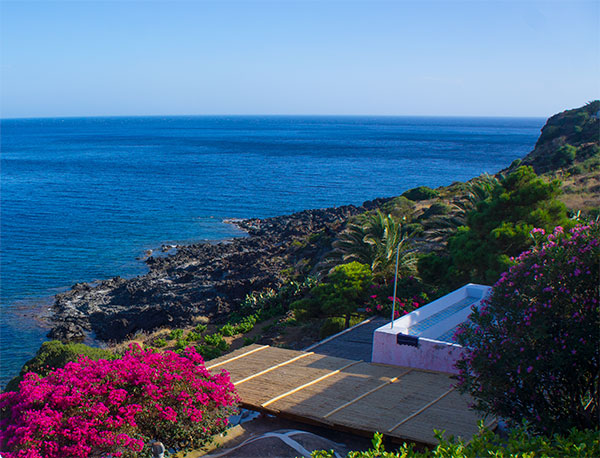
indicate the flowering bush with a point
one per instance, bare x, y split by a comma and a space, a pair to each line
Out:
532, 351
113, 408
412, 296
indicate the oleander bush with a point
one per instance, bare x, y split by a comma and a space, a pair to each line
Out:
520, 443
113, 408
533, 350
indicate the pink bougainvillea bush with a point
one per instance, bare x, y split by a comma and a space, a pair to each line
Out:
532, 351
114, 408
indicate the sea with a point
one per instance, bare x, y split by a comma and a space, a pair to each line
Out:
83, 199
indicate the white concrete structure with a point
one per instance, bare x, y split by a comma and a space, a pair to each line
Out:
423, 338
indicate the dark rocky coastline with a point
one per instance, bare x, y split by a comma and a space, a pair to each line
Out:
204, 279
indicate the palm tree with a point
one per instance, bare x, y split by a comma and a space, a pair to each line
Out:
373, 240
477, 190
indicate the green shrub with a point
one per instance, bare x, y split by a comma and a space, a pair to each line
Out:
193, 336
246, 325
399, 207
159, 342
576, 170
180, 345
331, 326
437, 208
217, 341
176, 334
250, 340
209, 352
519, 444
420, 193
54, 355
532, 351
228, 330
436, 269
344, 291
200, 328
565, 155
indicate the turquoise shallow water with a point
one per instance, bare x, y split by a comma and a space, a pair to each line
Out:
83, 198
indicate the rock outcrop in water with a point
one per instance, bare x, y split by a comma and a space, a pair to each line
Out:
202, 279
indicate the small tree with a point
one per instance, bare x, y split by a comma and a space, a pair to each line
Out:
532, 351
344, 291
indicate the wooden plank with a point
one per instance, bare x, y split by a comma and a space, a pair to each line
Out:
451, 414
385, 406
272, 368
422, 409
364, 395
317, 400
243, 355
301, 387
288, 377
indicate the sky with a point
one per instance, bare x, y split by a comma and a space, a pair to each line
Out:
419, 58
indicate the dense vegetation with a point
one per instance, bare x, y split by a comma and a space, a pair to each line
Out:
532, 350
499, 226
520, 443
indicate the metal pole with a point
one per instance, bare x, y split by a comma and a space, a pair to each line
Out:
395, 285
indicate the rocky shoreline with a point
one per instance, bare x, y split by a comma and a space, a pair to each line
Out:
204, 279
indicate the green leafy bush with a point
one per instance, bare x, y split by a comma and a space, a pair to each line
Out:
420, 193
246, 325
228, 330
54, 355
159, 342
330, 326
565, 155
344, 291
250, 340
200, 328
176, 334
193, 336
217, 341
520, 444
208, 352
533, 350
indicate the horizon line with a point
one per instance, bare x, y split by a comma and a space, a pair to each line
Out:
274, 115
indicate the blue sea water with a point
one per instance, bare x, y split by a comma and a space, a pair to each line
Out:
83, 198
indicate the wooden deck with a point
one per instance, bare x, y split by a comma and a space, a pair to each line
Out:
354, 396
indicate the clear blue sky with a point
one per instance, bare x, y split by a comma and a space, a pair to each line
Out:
498, 58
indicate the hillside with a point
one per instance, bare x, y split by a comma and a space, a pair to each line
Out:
569, 140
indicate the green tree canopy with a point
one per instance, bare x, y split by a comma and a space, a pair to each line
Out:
499, 227
345, 289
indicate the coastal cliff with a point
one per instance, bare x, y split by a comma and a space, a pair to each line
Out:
204, 279
567, 139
